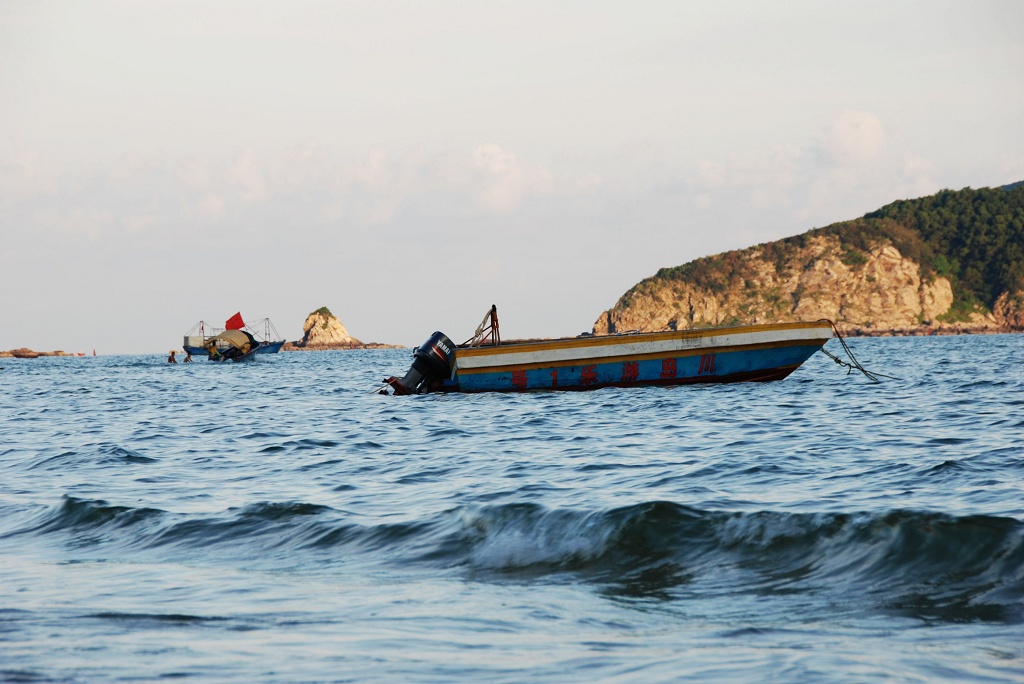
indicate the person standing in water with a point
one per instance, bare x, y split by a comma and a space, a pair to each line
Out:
171, 359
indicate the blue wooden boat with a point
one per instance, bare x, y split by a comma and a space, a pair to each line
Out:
757, 353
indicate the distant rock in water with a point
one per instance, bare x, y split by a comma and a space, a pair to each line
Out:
26, 353
322, 330
949, 263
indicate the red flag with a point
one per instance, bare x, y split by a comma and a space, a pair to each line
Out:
235, 322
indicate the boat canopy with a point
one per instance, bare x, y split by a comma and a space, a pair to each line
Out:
236, 338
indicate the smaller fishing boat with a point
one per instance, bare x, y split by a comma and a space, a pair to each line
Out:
262, 330
232, 345
484, 363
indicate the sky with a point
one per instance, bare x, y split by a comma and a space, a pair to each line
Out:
409, 164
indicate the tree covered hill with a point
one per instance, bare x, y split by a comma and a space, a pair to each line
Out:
969, 242
973, 237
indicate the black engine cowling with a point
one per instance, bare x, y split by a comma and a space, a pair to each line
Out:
431, 362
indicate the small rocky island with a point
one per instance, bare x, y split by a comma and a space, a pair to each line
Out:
323, 331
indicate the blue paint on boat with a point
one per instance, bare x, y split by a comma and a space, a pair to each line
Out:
755, 353
721, 366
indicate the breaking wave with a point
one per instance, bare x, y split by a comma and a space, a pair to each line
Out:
926, 564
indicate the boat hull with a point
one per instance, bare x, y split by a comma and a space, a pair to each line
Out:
740, 354
233, 355
264, 348
270, 347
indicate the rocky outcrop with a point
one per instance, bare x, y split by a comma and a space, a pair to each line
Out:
1009, 310
323, 331
873, 293
26, 353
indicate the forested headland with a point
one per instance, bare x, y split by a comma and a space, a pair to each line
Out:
949, 262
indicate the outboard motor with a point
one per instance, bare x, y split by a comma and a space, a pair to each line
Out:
431, 362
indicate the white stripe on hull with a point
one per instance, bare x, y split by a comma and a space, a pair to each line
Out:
589, 349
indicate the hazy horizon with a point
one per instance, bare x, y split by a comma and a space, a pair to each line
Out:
409, 165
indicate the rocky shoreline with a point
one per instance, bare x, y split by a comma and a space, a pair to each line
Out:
324, 332
26, 353
295, 347
927, 332
881, 292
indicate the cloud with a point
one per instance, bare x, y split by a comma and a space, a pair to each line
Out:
196, 173
917, 178
297, 167
211, 206
780, 167
488, 270
504, 180
309, 185
1012, 169
842, 172
770, 178
90, 223
28, 174
140, 223
852, 137
247, 174
484, 197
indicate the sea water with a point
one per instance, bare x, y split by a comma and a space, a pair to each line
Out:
278, 521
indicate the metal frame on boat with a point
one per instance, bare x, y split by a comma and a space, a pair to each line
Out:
270, 341
756, 353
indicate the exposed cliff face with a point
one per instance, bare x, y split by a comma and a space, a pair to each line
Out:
877, 292
323, 330
1009, 310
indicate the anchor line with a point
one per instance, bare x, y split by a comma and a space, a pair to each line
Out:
853, 363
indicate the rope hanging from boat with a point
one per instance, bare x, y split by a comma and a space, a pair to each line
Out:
853, 363
488, 325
